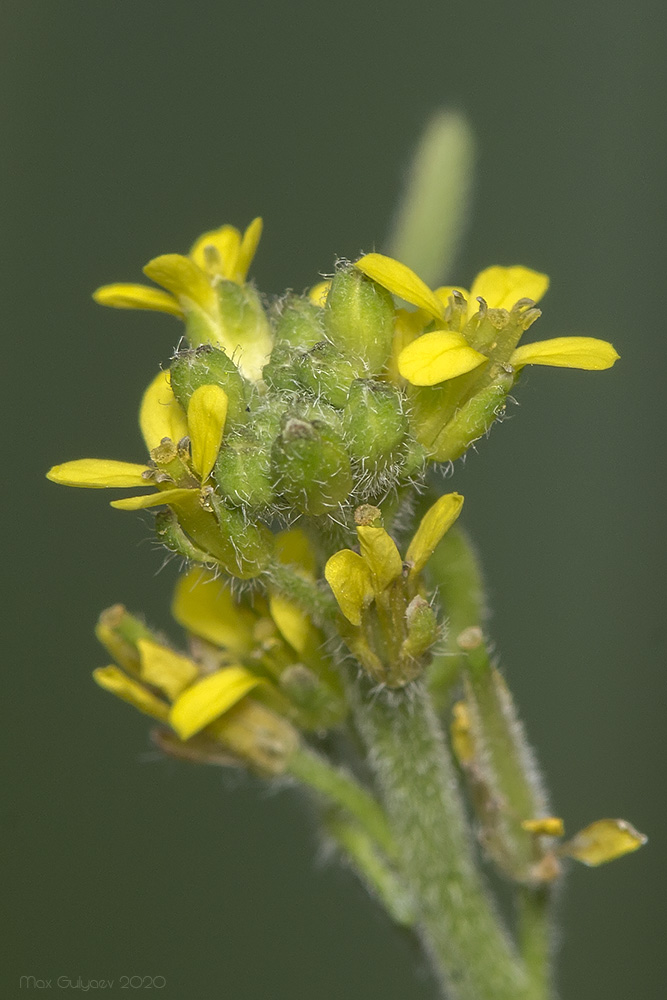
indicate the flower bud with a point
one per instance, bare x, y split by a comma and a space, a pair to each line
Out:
311, 467
374, 424
423, 631
238, 324
299, 324
207, 365
327, 373
243, 468
359, 318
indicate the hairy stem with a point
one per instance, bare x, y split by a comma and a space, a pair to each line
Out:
534, 929
337, 787
459, 926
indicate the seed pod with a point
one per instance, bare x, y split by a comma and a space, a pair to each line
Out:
207, 365
359, 318
311, 467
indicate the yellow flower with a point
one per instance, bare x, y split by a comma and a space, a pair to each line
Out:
176, 475
191, 286
170, 688
446, 351
357, 579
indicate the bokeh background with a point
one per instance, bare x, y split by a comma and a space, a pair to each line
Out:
127, 129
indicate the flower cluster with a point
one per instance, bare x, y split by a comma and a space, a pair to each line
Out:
325, 409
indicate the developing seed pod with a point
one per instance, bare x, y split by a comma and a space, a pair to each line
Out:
359, 318
374, 424
311, 467
207, 365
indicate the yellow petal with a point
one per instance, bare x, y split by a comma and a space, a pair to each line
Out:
567, 352
209, 698
206, 607
547, 826
151, 499
98, 473
207, 413
602, 841
183, 278
293, 625
435, 522
114, 680
381, 555
160, 414
217, 251
164, 669
318, 293
127, 296
502, 287
248, 249
350, 579
437, 356
293, 547
400, 280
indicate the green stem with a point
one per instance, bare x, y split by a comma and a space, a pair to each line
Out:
375, 871
319, 604
534, 930
339, 788
459, 925
455, 570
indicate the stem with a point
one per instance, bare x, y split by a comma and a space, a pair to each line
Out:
319, 604
459, 925
534, 927
372, 867
339, 788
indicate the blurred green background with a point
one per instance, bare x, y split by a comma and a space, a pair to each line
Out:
128, 128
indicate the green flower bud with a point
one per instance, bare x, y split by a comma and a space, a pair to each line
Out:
359, 318
374, 424
243, 469
327, 373
299, 324
423, 629
311, 467
207, 365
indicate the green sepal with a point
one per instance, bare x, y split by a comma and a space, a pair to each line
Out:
169, 532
